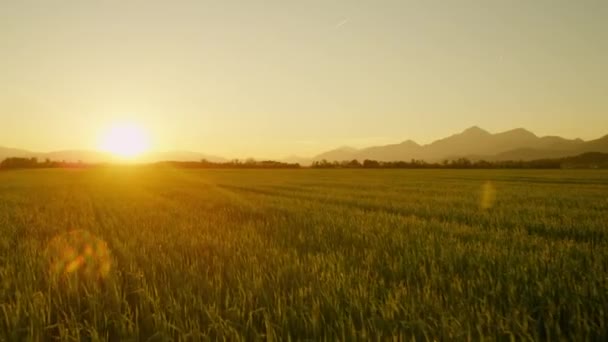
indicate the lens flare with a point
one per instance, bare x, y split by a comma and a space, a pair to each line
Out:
79, 252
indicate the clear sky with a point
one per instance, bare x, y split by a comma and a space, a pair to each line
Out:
275, 78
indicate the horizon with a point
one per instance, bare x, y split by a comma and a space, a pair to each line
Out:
248, 79
303, 170
360, 145
145, 155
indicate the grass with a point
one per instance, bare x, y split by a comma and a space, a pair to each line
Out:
166, 254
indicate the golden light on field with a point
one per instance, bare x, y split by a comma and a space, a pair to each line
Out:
125, 140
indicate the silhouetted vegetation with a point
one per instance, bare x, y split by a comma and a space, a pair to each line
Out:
18, 163
592, 160
33, 163
233, 164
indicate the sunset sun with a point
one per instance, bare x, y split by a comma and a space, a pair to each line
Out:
125, 140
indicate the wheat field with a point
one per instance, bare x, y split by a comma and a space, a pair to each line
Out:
159, 254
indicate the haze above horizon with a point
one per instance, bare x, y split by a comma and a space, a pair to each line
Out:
271, 79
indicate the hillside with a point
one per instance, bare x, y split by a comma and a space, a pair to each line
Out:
94, 157
475, 143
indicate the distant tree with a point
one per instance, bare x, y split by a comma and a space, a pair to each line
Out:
482, 164
461, 163
354, 164
322, 164
19, 163
371, 164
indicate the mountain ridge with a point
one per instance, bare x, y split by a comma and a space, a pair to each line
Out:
92, 156
474, 143
477, 143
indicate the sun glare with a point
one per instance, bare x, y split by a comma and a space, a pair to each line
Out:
125, 140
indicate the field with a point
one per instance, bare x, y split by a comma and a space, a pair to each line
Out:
167, 254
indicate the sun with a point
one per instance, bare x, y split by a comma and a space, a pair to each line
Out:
125, 140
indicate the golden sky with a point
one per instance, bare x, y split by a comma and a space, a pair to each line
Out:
276, 78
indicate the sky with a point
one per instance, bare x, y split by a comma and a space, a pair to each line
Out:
277, 78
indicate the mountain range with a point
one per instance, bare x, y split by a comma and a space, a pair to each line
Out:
473, 143
89, 156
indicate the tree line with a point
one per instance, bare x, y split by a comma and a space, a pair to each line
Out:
589, 160
593, 160
33, 163
460, 163
232, 164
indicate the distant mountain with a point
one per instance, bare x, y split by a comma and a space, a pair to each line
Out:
94, 157
297, 160
525, 154
475, 143
390, 152
597, 145
181, 156
338, 154
84, 156
6, 152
